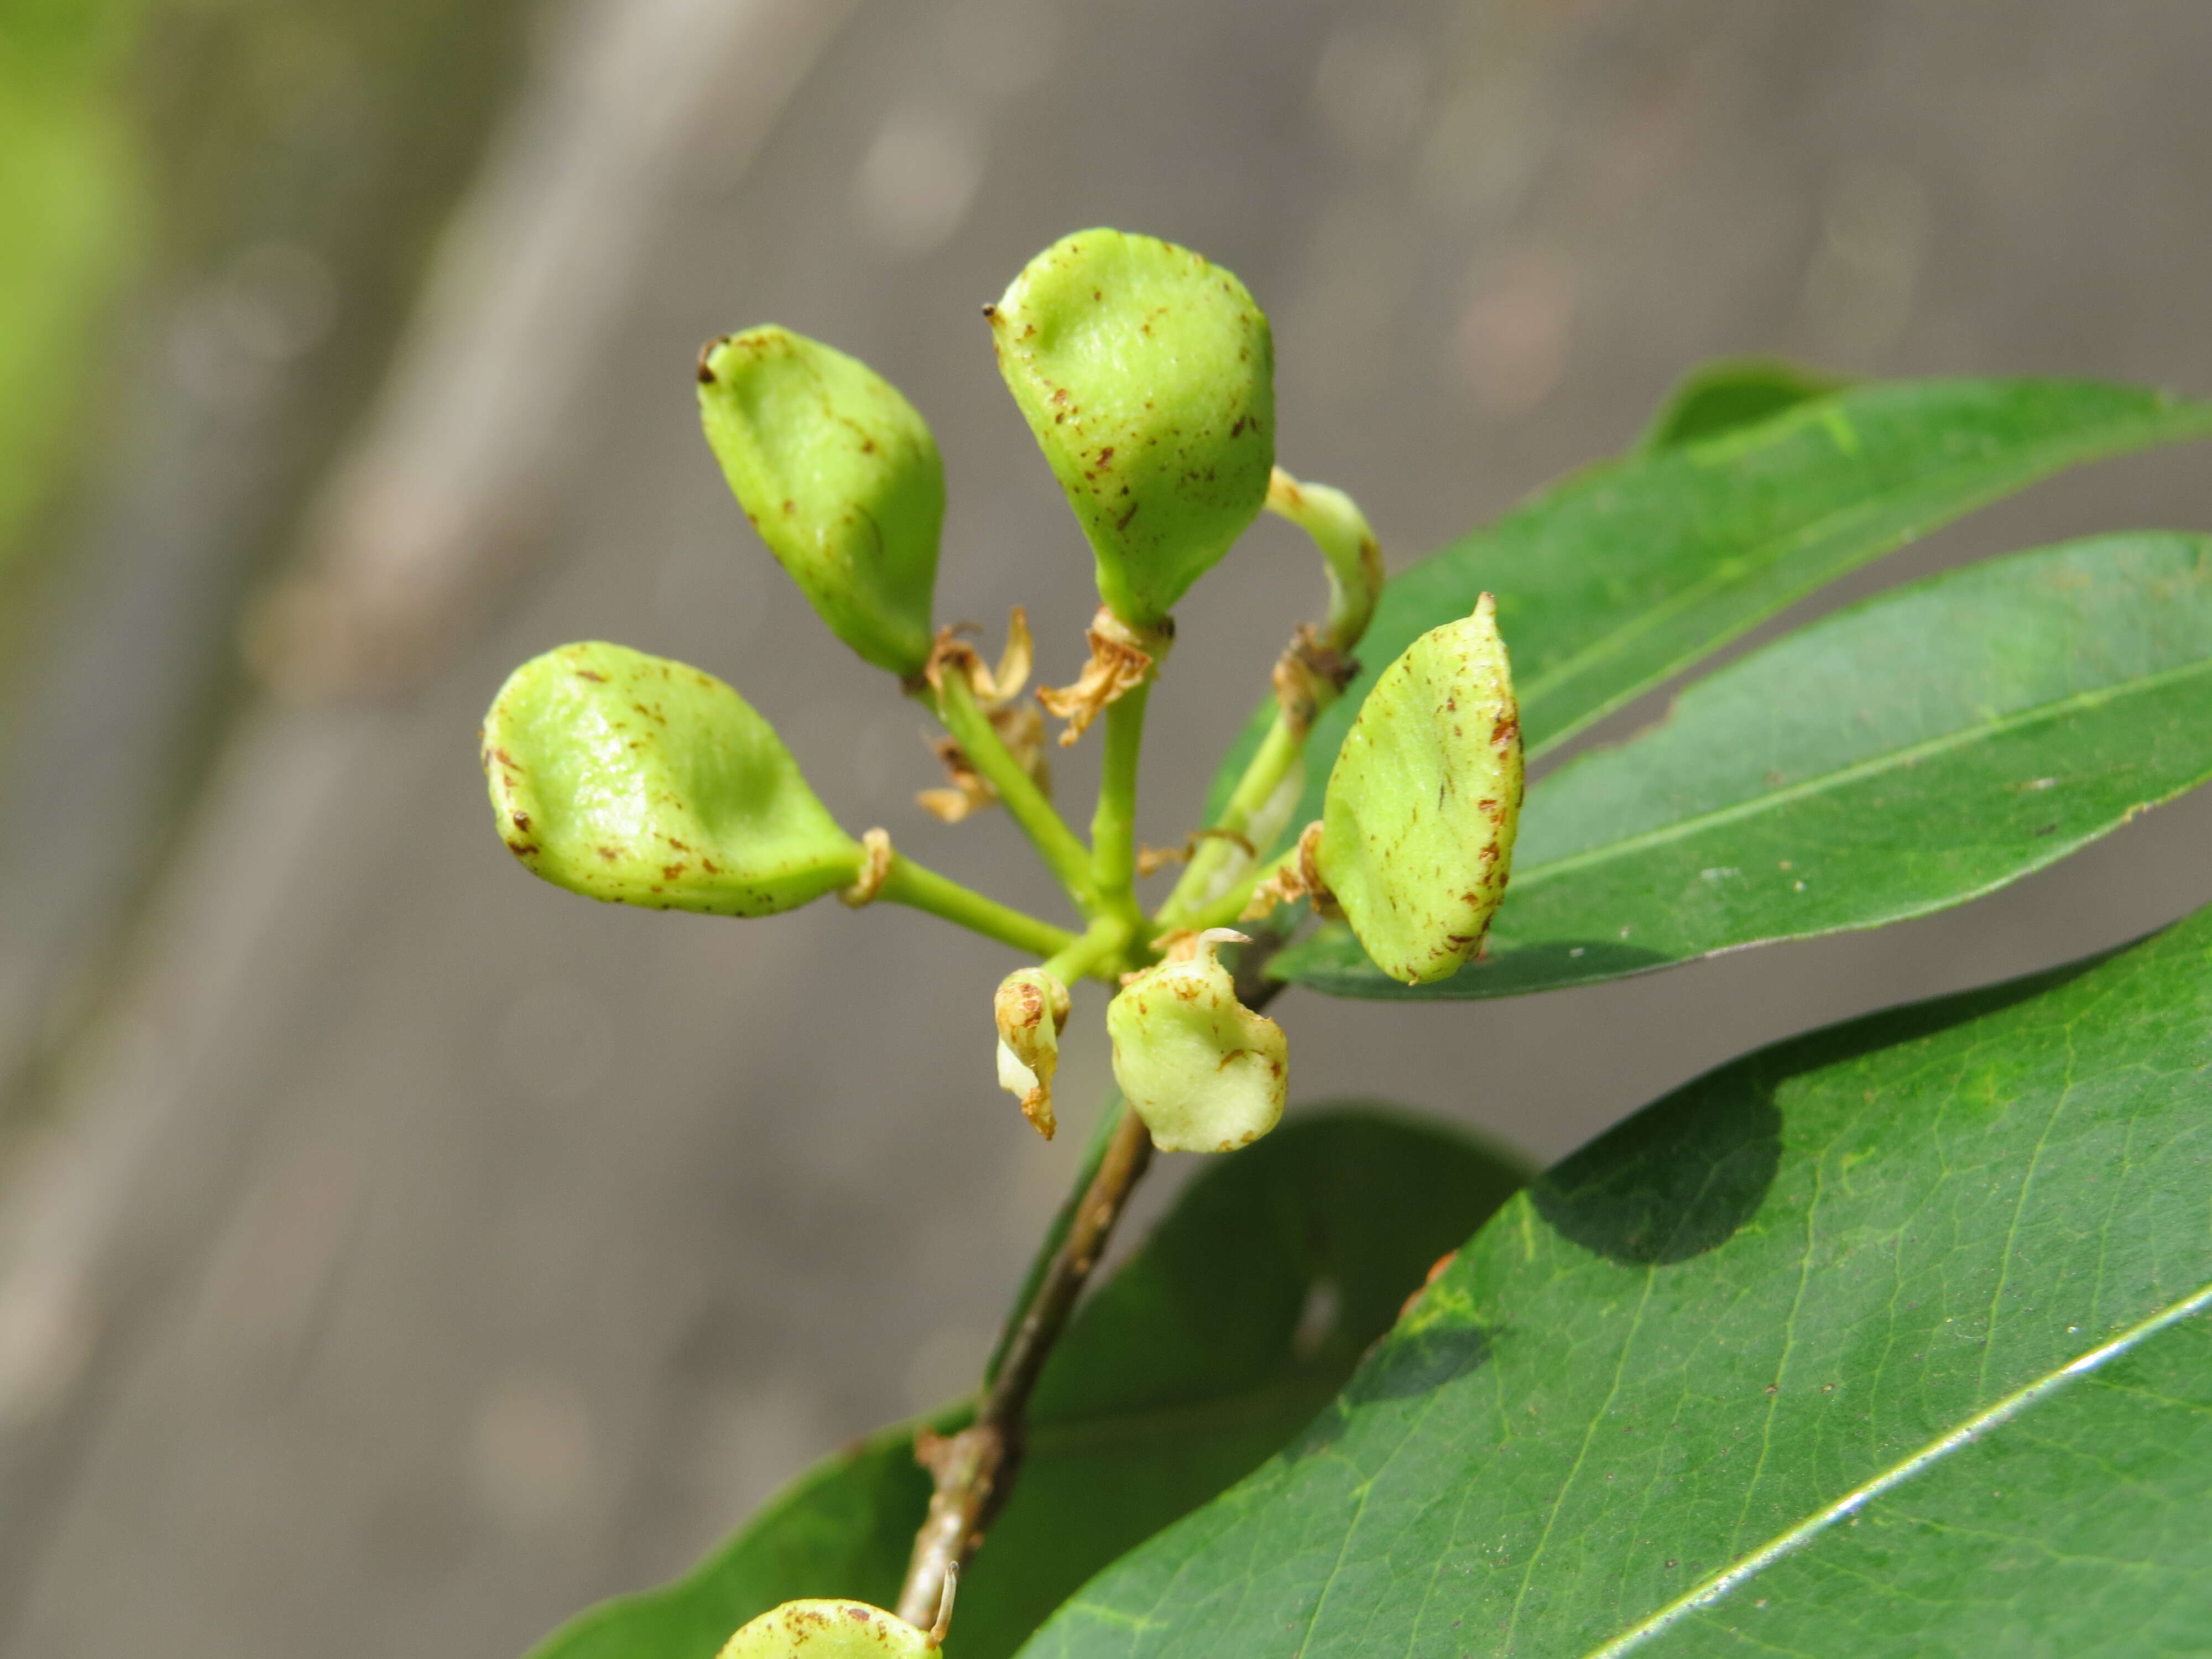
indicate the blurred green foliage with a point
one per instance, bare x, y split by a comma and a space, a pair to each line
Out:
146, 145
72, 199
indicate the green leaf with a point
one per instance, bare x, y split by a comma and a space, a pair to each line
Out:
1147, 375
1735, 391
1939, 1272
843, 1528
640, 781
2108, 1457
1917, 750
1242, 1315
1710, 398
1234, 759
1628, 572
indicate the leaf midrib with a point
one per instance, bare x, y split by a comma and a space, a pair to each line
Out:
1974, 1428
1762, 560
1872, 766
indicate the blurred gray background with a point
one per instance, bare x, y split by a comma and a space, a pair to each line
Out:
396, 1254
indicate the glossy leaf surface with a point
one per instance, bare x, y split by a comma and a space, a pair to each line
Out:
640, 780
1735, 391
1940, 1272
1626, 573
1924, 747
1208, 1350
1147, 375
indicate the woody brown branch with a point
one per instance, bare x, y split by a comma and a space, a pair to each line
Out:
973, 1471
975, 1468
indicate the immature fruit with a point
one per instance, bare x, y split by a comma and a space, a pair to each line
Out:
1417, 825
1148, 377
644, 781
842, 478
1204, 1072
828, 1630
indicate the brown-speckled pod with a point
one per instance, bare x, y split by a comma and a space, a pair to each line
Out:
1148, 376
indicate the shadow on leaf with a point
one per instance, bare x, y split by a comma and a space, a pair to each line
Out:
1675, 1180
1683, 1175
1419, 1363
1331, 962
1402, 1366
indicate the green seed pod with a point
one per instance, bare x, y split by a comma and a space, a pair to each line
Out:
841, 476
1204, 1072
828, 1629
1030, 1010
643, 781
1417, 825
1148, 376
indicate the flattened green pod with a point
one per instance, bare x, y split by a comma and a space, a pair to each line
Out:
828, 1629
1204, 1072
841, 476
644, 781
1148, 376
1417, 825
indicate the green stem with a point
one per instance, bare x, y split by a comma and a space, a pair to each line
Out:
1100, 951
911, 884
1114, 826
1255, 993
974, 1470
1229, 907
1061, 849
1348, 546
1278, 753
1094, 1153
1354, 561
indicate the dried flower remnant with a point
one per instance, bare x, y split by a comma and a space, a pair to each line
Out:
1030, 1010
1121, 658
1150, 861
1297, 876
1019, 725
875, 870
951, 654
966, 792
1204, 1072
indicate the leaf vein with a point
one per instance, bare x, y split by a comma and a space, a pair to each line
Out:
1995, 1416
